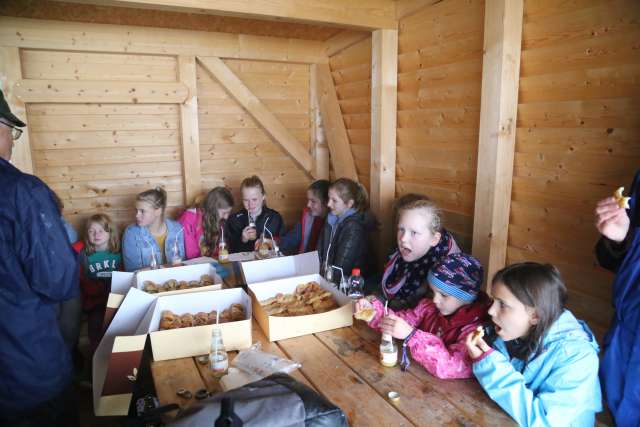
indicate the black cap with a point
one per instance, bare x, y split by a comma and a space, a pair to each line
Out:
5, 113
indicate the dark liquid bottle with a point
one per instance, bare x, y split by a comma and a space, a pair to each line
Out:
227, 417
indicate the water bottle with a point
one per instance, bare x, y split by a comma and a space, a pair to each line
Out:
153, 262
218, 361
223, 253
175, 254
356, 285
388, 351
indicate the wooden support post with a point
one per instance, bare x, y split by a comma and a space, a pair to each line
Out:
499, 106
316, 133
333, 125
258, 111
384, 94
10, 74
190, 132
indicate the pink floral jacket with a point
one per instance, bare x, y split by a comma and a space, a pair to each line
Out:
438, 343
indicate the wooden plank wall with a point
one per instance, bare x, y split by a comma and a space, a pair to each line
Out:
232, 146
97, 157
578, 137
351, 71
439, 82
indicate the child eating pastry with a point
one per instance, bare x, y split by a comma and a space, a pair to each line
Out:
435, 330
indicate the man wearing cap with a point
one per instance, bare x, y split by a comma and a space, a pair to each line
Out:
38, 270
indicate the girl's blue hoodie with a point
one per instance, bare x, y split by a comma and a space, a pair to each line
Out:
559, 387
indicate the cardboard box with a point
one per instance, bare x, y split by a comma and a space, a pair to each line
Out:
196, 340
119, 354
278, 328
121, 281
280, 268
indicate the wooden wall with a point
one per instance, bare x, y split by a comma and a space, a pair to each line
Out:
578, 138
233, 146
105, 124
97, 157
439, 82
351, 71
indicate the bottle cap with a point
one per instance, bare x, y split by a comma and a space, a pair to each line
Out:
355, 272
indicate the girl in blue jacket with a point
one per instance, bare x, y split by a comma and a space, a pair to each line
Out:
542, 368
153, 236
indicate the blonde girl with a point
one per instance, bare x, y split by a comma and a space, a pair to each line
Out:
153, 236
422, 242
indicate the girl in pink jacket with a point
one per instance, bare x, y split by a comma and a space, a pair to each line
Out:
435, 330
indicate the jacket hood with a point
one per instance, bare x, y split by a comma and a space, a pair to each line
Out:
568, 328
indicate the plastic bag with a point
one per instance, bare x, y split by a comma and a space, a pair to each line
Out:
254, 361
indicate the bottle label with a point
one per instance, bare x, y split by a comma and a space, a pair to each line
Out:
389, 359
219, 363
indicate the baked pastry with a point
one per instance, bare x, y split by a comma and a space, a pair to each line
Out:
213, 317
308, 298
150, 287
168, 320
200, 319
621, 200
477, 334
367, 314
187, 320
171, 285
237, 312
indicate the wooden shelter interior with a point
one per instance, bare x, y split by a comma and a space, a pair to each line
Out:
515, 116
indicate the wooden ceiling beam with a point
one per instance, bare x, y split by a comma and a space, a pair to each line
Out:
368, 15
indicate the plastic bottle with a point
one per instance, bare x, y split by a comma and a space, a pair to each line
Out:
356, 285
388, 351
227, 417
175, 254
153, 262
223, 253
218, 360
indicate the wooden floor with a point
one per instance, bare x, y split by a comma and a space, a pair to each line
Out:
343, 366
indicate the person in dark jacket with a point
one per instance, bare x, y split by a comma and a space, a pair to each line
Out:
304, 236
619, 251
249, 224
344, 241
38, 270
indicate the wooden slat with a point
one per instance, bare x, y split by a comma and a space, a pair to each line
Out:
417, 402
370, 15
102, 122
337, 381
500, 72
384, 75
88, 37
171, 375
357, 54
259, 112
46, 140
471, 405
405, 8
29, 90
10, 73
334, 127
343, 40
190, 130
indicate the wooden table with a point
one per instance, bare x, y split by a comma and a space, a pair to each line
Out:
343, 366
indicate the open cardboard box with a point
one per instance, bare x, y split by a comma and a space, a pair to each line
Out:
196, 340
118, 356
278, 327
121, 281
280, 268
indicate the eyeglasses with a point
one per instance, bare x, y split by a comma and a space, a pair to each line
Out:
15, 132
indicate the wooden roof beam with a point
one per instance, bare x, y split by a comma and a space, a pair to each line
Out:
258, 111
367, 15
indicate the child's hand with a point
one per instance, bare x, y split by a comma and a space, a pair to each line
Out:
395, 326
249, 233
476, 346
612, 221
361, 304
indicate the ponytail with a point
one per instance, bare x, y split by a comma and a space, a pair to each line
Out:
156, 198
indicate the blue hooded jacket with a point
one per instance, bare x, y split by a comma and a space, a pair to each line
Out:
559, 387
137, 243
620, 368
38, 270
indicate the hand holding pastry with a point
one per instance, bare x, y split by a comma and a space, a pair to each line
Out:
476, 346
612, 220
363, 310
